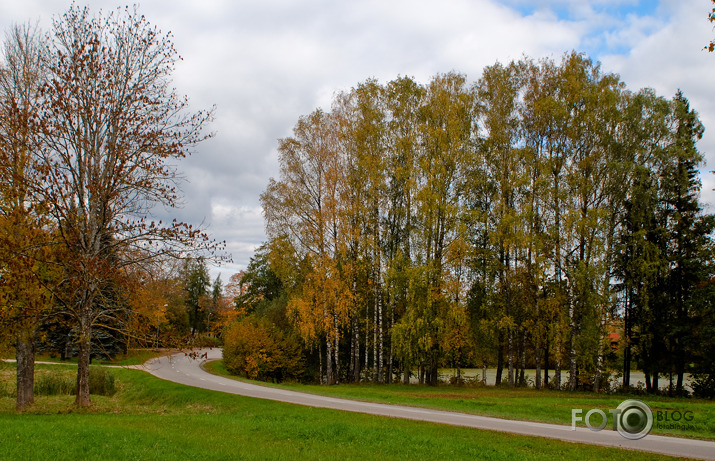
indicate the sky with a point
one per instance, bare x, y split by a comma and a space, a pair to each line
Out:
263, 64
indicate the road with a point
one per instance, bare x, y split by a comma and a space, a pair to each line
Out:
183, 369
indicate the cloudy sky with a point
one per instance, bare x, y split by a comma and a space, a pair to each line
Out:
265, 63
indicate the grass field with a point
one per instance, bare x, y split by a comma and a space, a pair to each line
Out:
133, 357
153, 419
522, 403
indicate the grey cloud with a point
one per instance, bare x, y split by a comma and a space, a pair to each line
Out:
263, 64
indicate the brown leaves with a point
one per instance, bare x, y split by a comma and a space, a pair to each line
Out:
711, 18
88, 137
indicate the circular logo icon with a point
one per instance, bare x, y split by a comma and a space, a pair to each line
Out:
634, 420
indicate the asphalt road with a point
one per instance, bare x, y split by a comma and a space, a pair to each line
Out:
184, 369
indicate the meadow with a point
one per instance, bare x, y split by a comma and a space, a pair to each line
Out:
147, 418
522, 403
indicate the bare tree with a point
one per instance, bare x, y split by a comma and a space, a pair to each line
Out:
114, 128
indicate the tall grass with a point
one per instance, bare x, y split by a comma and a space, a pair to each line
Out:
64, 382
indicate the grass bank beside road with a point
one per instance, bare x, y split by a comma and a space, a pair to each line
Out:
132, 357
148, 418
696, 417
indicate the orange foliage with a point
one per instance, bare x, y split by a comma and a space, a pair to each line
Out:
258, 350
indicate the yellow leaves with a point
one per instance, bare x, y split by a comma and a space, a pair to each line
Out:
324, 303
258, 350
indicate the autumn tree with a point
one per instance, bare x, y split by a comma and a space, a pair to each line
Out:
23, 223
510, 222
445, 131
114, 128
304, 207
403, 98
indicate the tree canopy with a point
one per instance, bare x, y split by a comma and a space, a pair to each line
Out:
525, 218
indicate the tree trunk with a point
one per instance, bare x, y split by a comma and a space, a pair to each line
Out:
557, 366
599, 363
366, 366
537, 360
355, 351
546, 362
336, 378
390, 357
522, 370
380, 337
572, 345
510, 357
25, 355
328, 359
321, 379
377, 330
599, 371
500, 360
627, 340
433, 370
679, 366
84, 343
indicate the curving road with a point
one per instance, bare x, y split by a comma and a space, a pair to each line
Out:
184, 369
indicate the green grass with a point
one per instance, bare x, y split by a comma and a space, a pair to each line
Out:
132, 357
521, 403
153, 419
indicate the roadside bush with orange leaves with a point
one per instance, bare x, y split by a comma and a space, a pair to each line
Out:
257, 349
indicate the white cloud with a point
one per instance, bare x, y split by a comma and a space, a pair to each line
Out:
263, 64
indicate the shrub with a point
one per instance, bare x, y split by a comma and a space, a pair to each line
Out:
703, 385
256, 349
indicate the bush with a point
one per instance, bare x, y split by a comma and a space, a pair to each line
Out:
703, 385
256, 349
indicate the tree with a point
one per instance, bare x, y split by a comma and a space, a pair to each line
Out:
403, 98
304, 208
113, 127
23, 225
452, 224
258, 283
446, 135
257, 349
688, 233
196, 283
498, 92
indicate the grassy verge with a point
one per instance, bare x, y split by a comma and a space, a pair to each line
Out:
521, 403
132, 357
153, 419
